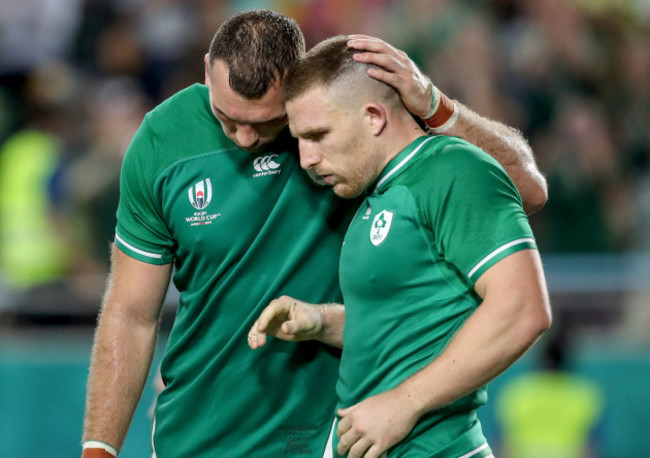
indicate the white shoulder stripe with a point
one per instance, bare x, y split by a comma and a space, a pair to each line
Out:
402, 162
137, 250
496, 252
475, 451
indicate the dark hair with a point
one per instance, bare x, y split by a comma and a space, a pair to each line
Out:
258, 46
326, 63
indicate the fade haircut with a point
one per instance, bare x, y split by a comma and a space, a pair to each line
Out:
258, 47
330, 64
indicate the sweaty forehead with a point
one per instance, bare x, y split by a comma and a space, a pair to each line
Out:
238, 108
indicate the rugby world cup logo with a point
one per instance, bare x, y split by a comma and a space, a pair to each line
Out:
201, 194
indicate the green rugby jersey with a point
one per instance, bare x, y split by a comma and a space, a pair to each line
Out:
241, 230
441, 214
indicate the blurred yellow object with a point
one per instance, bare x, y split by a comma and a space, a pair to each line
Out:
31, 251
548, 414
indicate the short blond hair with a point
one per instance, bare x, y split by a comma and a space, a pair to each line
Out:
330, 64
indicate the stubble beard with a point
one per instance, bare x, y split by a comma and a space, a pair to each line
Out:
359, 178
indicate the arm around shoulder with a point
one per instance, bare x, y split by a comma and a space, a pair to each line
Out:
423, 99
123, 347
510, 149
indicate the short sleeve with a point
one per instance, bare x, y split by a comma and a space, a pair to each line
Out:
141, 230
473, 210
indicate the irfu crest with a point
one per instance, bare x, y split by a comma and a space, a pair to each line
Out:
380, 227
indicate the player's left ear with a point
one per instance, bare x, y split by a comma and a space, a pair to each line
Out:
375, 115
206, 60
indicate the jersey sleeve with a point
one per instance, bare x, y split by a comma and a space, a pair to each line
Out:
473, 209
141, 229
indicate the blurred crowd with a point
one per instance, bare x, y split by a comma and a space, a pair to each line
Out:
77, 76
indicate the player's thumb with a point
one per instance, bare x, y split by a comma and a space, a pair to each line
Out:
291, 327
297, 326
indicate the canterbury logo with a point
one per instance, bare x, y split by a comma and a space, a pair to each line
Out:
265, 163
201, 194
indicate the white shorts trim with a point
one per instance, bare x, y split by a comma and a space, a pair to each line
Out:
328, 448
153, 431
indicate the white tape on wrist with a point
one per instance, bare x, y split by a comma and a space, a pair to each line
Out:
99, 444
435, 101
450, 122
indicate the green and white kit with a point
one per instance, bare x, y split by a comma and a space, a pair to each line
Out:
241, 230
442, 212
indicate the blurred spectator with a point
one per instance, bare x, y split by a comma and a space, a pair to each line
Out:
116, 109
630, 101
166, 30
35, 31
36, 249
32, 33
551, 412
589, 201
30, 251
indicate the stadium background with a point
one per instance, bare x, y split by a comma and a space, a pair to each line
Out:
76, 77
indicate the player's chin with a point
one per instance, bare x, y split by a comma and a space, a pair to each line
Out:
345, 191
259, 147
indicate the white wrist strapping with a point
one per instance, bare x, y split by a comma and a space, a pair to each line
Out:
450, 122
99, 444
435, 101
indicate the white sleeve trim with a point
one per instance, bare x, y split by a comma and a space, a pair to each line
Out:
137, 250
496, 252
